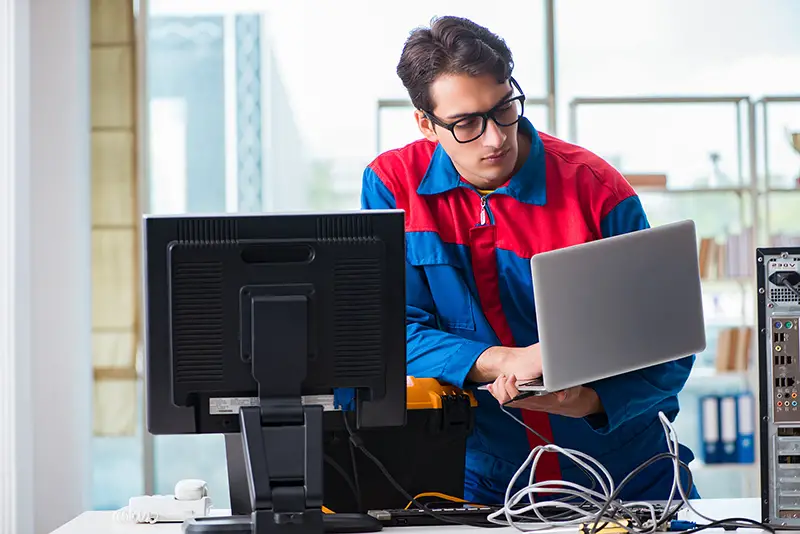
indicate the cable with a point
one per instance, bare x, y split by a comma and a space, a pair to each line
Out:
349, 481
602, 508
357, 485
126, 515
356, 440
544, 440
792, 288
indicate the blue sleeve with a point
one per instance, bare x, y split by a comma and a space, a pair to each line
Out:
627, 396
430, 352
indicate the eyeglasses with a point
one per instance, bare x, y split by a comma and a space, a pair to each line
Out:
472, 126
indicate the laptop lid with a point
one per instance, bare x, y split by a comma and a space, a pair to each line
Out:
618, 304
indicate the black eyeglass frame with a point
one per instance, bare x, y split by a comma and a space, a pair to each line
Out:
485, 115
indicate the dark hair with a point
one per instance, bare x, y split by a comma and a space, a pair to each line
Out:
452, 45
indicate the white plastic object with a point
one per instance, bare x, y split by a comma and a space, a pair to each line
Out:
191, 489
190, 500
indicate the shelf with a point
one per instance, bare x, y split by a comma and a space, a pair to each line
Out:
692, 190
697, 465
741, 280
703, 380
780, 190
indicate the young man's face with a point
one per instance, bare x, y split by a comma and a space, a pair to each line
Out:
488, 161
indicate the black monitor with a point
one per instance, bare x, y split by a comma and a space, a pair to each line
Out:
246, 315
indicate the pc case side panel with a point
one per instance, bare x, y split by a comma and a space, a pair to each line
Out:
779, 371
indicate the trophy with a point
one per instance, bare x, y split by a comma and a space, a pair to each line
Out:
794, 140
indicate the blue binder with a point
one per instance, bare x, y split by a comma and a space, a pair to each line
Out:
710, 429
729, 428
745, 439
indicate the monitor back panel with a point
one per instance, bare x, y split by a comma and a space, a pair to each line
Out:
618, 304
779, 371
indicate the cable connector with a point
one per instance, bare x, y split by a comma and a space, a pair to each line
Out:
678, 525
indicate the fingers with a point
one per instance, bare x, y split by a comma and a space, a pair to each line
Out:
511, 387
504, 388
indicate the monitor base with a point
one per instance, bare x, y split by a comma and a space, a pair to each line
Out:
332, 524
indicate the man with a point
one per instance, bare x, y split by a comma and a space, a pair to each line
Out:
483, 192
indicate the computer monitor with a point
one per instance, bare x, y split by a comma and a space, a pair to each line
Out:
245, 315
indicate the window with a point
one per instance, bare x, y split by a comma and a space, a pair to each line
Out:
683, 48
248, 114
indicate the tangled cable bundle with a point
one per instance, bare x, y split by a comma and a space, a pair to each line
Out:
598, 506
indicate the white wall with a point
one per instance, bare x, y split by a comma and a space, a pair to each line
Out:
16, 438
45, 313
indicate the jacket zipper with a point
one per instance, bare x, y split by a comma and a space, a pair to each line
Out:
483, 210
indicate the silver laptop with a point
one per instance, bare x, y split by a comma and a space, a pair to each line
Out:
616, 305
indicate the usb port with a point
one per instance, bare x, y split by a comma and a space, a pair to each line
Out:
783, 360
789, 459
790, 382
777, 360
777, 382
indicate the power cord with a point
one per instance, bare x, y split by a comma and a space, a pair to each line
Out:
792, 288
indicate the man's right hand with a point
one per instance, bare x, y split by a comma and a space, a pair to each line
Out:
524, 363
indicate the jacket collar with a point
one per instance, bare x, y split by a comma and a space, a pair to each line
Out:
527, 185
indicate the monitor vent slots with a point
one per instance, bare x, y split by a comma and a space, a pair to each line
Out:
357, 317
345, 227
197, 335
208, 231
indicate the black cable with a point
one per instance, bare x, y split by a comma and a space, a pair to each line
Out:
792, 288
356, 440
349, 481
732, 522
357, 485
615, 494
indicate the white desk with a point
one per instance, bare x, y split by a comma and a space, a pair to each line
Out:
103, 522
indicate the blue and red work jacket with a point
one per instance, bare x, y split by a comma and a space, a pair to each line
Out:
469, 288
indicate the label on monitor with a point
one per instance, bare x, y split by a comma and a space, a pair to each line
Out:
231, 405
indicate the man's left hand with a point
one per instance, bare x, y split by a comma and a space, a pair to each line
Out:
578, 401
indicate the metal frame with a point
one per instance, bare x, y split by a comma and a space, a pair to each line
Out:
738, 101
751, 185
761, 105
548, 101
140, 27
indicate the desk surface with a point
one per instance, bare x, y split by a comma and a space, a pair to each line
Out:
104, 522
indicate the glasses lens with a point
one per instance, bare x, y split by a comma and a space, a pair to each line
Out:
509, 113
468, 129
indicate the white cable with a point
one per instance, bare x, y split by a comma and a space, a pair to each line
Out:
512, 514
126, 515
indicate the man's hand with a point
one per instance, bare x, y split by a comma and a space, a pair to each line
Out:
578, 401
522, 362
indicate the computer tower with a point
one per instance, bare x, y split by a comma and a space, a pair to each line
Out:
778, 291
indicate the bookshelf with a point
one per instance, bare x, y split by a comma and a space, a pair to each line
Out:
779, 172
726, 250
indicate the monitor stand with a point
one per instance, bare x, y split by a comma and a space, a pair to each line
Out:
280, 449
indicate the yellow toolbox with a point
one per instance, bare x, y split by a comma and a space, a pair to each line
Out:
426, 455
